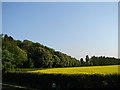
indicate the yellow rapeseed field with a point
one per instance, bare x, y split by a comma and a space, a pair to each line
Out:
111, 69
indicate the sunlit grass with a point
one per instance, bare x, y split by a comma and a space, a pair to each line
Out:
112, 69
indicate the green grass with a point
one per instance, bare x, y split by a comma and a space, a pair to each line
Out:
111, 69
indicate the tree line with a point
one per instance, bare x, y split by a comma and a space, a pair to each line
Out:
28, 54
102, 60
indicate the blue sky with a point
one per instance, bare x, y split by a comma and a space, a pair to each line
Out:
77, 29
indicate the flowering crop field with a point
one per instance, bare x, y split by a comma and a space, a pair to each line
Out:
104, 70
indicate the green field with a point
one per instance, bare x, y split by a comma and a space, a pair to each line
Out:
111, 69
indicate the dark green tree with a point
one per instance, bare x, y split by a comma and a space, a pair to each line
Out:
12, 54
87, 60
82, 62
56, 61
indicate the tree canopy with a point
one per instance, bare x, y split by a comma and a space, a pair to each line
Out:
28, 54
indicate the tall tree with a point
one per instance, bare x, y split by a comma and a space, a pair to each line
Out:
87, 60
82, 62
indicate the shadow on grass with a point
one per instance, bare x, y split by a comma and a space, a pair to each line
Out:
60, 81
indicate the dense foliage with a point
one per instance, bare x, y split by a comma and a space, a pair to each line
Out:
102, 60
27, 54
12, 55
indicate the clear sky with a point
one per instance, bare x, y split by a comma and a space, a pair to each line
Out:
77, 29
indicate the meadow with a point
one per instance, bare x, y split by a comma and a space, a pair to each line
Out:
111, 69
